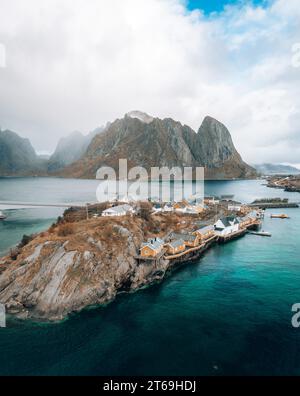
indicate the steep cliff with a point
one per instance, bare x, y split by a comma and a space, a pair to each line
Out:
77, 265
70, 149
148, 142
17, 156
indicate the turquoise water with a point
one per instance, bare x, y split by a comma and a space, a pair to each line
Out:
227, 314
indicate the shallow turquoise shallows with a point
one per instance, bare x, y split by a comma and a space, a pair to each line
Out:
227, 314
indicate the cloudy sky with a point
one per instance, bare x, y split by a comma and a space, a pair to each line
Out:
76, 64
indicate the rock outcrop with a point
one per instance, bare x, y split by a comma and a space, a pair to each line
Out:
75, 265
148, 142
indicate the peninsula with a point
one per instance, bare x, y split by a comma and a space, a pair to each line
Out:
87, 259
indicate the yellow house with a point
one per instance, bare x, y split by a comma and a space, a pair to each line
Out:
205, 232
152, 248
175, 247
190, 240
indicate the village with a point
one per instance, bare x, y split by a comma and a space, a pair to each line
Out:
213, 220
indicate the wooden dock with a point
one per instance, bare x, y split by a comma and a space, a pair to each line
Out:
191, 250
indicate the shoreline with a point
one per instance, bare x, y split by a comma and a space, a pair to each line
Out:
141, 274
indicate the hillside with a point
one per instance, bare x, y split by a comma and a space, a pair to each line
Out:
17, 156
276, 169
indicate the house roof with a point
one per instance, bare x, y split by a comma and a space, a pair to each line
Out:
205, 230
119, 209
176, 243
185, 237
228, 220
153, 244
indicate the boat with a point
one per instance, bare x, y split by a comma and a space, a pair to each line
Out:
260, 233
2, 216
279, 216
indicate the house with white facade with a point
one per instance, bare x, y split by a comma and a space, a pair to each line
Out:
121, 210
226, 225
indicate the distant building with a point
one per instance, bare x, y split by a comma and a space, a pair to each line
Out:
234, 208
211, 200
175, 247
227, 225
121, 210
152, 248
168, 208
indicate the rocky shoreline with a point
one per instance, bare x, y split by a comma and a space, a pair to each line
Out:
289, 183
80, 263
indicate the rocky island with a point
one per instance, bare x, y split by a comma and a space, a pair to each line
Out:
81, 262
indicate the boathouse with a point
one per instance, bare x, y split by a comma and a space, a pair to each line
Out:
205, 233
191, 240
151, 248
175, 247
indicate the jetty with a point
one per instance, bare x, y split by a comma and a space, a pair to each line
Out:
273, 203
260, 233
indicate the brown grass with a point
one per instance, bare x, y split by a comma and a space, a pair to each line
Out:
66, 229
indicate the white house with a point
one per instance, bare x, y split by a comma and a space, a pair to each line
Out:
234, 208
226, 225
168, 208
121, 210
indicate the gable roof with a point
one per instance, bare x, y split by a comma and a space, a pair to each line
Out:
228, 220
153, 244
176, 243
185, 237
205, 230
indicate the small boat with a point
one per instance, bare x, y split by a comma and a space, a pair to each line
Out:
261, 233
2, 216
279, 216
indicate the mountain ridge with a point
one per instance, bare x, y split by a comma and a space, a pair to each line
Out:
144, 141
163, 142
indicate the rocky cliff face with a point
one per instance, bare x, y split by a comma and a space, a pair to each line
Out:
66, 270
17, 156
148, 142
71, 149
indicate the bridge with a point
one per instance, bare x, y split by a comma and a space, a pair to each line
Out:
43, 204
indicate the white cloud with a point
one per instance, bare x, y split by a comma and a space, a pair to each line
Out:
75, 64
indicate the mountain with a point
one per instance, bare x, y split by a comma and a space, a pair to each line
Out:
71, 149
276, 169
18, 157
147, 141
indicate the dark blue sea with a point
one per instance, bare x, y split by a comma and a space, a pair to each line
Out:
227, 314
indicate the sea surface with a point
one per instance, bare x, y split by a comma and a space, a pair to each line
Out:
227, 314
